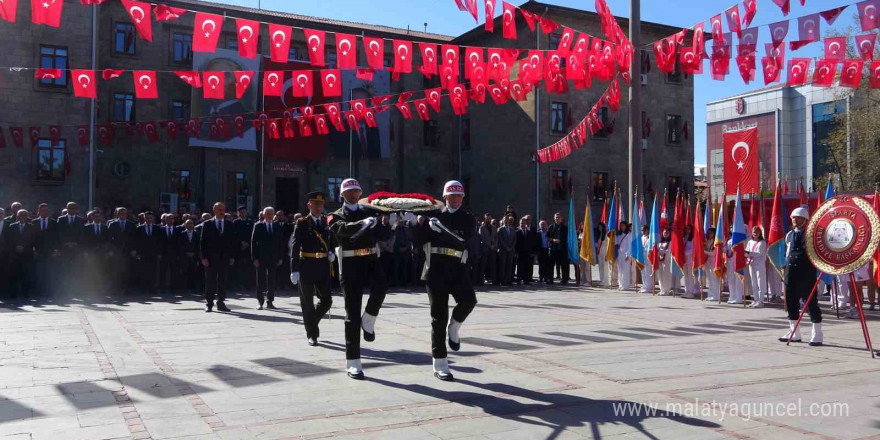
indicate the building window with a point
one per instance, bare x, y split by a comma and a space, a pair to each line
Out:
558, 113
673, 185
181, 184
646, 62
179, 110
431, 135
236, 188
600, 186
673, 129
123, 38
604, 117
381, 185
295, 53
675, 76
54, 57
331, 60
465, 133
558, 185
181, 47
123, 107
50, 161
231, 43
333, 186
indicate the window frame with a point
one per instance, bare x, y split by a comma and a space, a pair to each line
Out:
605, 118
554, 198
134, 33
676, 77
680, 130
113, 98
564, 110
601, 197
176, 182
53, 83
187, 59
44, 144
235, 186
185, 105
333, 186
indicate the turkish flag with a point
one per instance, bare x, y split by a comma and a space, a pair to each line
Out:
508, 20
448, 76
798, 68
238, 125
851, 73
370, 118
824, 73
54, 134
875, 75
865, 45
167, 13
517, 91
809, 28
105, 133
422, 109
302, 83
206, 32
832, 15
433, 98
450, 57
497, 94
321, 125
429, 59
145, 84
404, 110
273, 83
331, 81
273, 129
868, 14
172, 128
222, 127
315, 43
490, 15
140, 16
48, 74
279, 43
785, 5
34, 133
528, 16
778, 32
352, 120
17, 134
402, 56
8, 10
108, 74
335, 116
741, 166
192, 78
835, 48
547, 25
194, 128
151, 131
749, 36
46, 12
733, 20
751, 7
82, 135
346, 51
564, 46
746, 65
243, 80
498, 65
717, 30
375, 50
248, 37
776, 52
215, 83
84, 83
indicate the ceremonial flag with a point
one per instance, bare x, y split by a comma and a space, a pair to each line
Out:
508, 21
679, 257
8, 10
490, 16
167, 13
802, 192
604, 218
829, 193
707, 217
248, 36
636, 247
778, 229
85, 83
741, 166
140, 16
868, 16
145, 84
206, 32
588, 244
572, 232
215, 84
877, 253
611, 255
738, 237
699, 243
47, 12
720, 240
753, 212
654, 236
315, 42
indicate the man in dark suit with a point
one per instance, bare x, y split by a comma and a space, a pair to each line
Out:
524, 248
13, 209
545, 261
217, 248
168, 268
188, 255
46, 246
146, 238
267, 252
121, 232
20, 242
241, 273
97, 252
70, 227
558, 234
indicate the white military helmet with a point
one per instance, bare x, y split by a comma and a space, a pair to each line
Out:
801, 212
348, 184
453, 187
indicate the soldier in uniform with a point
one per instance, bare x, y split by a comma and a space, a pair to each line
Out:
354, 227
311, 258
800, 276
446, 273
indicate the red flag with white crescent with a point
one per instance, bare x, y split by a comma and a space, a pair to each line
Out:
331, 82
248, 37
868, 14
243, 80
206, 32
798, 68
874, 78
279, 42
273, 83
315, 43
108, 74
490, 15
321, 124
302, 83
215, 85
375, 51
84, 83
82, 135
508, 20
8, 10
139, 12
167, 13
47, 12
865, 45
851, 73
741, 160
346, 51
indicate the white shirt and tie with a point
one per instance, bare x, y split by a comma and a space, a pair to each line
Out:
97, 229
43, 223
169, 231
149, 229
219, 224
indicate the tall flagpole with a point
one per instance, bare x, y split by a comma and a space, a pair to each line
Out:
635, 98
537, 140
92, 111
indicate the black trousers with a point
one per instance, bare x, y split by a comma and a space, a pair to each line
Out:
445, 280
191, 276
266, 276
216, 276
312, 315
168, 269
545, 266
505, 267
21, 277
357, 273
524, 268
798, 283
560, 259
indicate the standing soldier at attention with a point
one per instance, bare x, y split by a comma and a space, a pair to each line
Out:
446, 238
311, 260
354, 227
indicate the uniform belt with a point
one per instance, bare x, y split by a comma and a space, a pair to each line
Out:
447, 251
359, 252
313, 255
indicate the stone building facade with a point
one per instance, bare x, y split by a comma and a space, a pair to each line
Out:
490, 149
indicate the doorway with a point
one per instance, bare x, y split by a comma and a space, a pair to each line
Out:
287, 194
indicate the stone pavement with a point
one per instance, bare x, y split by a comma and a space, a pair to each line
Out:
536, 363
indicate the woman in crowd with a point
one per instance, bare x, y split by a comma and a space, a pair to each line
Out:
664, 274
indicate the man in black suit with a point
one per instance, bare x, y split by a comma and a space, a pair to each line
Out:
70, 227
545, 261
217, 248
46, 246
146, 238
4, 263
97, 252
188, 255
267, 252
168, 268
121, 232
20, 242
13, 209
524, 249
241, 273
558, 234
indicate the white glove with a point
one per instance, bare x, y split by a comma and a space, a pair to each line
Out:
411, 218
434, 223
369, 222
392, 219
331, 256
294, 278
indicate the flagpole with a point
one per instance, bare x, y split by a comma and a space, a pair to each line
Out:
537, 139
635, 98
92, 111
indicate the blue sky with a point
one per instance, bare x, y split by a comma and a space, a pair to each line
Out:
443, 17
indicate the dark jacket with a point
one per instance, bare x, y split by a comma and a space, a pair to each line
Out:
45, 241
185, 245
167, 242
96, 243
215, 246
344, 225
448, 269
265, 247
20, 237
559, 232
70, 231
147, 246
309, 237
